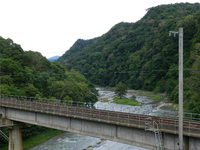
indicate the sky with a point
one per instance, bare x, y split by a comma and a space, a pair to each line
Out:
52, 26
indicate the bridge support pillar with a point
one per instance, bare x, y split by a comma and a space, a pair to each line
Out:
15, 138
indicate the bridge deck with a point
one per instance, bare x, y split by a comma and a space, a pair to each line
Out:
168, 125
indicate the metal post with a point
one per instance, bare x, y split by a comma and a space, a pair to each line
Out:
181, 88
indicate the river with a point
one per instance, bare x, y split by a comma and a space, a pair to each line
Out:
73, 141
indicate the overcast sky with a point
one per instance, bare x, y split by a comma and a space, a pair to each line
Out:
52, 26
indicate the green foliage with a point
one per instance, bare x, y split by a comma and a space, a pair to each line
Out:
141, 54
11, 90
32, 75
193, 88
156, 97
120, 90
126, 101
31, 90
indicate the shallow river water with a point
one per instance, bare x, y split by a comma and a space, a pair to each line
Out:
73, 141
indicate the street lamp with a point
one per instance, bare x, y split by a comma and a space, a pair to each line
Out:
180, 33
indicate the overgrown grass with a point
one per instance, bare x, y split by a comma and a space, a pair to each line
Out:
156, 97
38, 139
126, 101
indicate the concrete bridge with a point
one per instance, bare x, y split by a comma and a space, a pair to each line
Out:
140, 130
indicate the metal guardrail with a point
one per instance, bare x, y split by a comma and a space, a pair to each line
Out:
87, 111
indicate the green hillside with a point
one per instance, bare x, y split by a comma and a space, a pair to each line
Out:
142, 55
28, 73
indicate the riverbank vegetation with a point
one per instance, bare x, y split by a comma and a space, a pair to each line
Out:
121, 91
40, 138
143, 56
126, 101
153, 96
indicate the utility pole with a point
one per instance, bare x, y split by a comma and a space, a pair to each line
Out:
180, 126
180, 88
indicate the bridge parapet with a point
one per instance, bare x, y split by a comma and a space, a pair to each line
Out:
167, 125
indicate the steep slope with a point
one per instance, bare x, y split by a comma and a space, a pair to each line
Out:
141, 54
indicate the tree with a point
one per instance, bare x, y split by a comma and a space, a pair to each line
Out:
120, 89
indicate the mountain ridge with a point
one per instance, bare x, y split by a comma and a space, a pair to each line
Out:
141, 54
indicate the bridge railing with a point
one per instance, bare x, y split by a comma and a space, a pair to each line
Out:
49, 100
85, 111
187, 115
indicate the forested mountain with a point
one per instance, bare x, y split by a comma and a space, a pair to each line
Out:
142, 55
28, 73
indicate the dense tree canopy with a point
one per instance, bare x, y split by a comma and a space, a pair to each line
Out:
28, 73
141, 54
